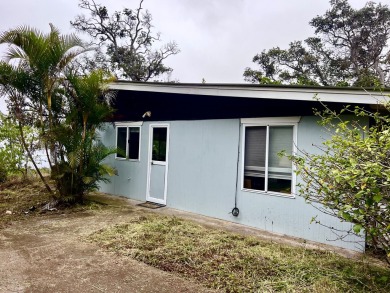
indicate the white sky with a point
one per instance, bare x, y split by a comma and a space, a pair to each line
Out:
217, 38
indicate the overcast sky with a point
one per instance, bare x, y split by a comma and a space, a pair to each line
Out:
217, 38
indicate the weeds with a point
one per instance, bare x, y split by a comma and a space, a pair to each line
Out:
22, 199
238, 263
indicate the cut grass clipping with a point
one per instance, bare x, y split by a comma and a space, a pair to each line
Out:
236, 263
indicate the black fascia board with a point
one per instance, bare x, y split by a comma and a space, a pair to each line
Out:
131, 105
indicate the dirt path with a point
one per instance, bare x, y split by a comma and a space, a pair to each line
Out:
51, 254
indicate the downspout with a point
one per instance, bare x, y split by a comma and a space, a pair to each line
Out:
235, 211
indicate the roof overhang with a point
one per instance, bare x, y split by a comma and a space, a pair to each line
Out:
279, 92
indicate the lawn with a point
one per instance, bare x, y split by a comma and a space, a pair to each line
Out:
237, 263
215, 258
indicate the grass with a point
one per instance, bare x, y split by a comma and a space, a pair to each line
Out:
236, 263
22, 198
25, 198
218, 259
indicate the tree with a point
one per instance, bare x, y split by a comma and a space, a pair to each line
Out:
79, 151
12, 156
127, 38
350, 48
43, 92
350, 178
30, 76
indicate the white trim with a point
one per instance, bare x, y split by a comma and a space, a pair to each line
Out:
150, 162
116, 143
139, 142
266, 158
278, 194
243, 133
129, 124
268, 120
272, 121
336, 95
294, 152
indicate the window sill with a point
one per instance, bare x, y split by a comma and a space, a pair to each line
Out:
124, 159
278, 194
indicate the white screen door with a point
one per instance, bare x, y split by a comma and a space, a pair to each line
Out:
158, 163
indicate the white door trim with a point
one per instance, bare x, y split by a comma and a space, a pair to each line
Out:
150, 152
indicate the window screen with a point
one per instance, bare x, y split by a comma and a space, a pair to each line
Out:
276, 176
159, 144
121, 142
280, 168
133, 143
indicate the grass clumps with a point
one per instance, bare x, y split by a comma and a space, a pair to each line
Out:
236, 263
21, 198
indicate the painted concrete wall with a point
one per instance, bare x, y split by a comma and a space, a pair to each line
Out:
131, 178
293, 216
202, 166
202, 179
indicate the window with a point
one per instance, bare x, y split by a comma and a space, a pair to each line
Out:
159, 144
264, 170
133, 143
128, 142
121, 137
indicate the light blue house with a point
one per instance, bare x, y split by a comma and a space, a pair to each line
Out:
211, 149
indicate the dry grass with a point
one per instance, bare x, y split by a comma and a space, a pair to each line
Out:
218, 259
26, 198
22, 197
237, 263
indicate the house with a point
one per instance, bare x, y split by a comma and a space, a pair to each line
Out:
212, 149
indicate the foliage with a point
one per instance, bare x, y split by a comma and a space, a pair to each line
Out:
350, 178
31, 74
350, 48
235, 263
12, 156
67, 109
80, 154
127, 39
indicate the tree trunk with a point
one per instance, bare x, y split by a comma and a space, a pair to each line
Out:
32, 159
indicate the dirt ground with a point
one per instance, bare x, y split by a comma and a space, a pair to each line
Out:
51, 254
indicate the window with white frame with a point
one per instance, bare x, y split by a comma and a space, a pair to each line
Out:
264, 169
128, 142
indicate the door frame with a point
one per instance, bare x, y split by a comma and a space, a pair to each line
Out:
150, 153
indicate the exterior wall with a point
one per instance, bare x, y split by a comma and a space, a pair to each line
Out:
131, 178
202, 174
203, 166
293, 216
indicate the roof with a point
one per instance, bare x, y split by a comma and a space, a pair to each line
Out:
274, 92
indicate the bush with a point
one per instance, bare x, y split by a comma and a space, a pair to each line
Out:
351, 177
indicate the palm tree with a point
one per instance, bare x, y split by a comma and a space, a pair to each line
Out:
67, 108
31, 74
88, 108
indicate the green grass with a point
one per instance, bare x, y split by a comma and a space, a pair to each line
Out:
238, 263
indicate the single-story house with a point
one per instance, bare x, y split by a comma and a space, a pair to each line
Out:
212, 149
